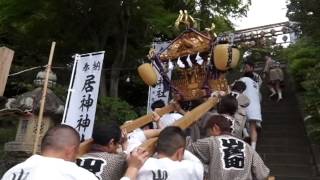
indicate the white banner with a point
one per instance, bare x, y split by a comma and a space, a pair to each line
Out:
80, 108
157, 92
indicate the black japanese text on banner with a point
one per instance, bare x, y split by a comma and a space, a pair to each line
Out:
157, 92
80, 108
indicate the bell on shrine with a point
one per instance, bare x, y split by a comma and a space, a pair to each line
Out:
225, 56
148, 74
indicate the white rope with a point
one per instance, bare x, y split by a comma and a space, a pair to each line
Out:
26, 70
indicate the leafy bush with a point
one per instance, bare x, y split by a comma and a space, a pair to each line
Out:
312, 101
114, 109
302, 57
304, 66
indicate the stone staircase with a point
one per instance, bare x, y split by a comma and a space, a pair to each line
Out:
283, 143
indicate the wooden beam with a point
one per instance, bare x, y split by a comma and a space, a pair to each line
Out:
141, 121
6, 56
186, 121
129, 127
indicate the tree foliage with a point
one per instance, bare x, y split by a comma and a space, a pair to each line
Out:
304, 66
303, 60
124, 29
114, 109
307, 13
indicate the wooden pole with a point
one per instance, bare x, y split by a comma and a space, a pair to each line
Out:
129, 127
143, 120
187, 120
6, 57
43, 99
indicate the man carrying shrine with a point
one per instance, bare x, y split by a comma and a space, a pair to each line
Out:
227, 156
103, 159
59, 148
172, 161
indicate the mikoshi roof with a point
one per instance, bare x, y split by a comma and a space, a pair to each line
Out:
189, 42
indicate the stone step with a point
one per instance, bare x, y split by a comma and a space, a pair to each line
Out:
274, 127
290, 158
296, 178
284, 134
287, 105
282, 127
280, 141
282, 149
281, 122
293, 170
277, 108
291, 107
283, 143
280, 116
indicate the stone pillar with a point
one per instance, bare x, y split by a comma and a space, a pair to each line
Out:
26, 133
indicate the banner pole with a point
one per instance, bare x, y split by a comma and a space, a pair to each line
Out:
76, 59
43, 99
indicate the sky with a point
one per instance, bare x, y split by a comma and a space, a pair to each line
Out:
263, 12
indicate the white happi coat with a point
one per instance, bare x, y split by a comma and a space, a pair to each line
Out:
190, 168
40, 167
228, 157
253, 93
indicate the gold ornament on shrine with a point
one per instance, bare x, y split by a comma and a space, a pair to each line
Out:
185, 19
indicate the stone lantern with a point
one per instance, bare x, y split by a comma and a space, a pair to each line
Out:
30, 102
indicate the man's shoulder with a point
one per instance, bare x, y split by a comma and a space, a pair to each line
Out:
151, 163
170, 116
185, 169
255, 74
77, 171
246, 79
167, 164
24, 167
100, 159
53, 169
14, 171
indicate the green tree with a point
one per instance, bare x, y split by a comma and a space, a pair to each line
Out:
81, 26
307, 13
118, 27
114, 109
303, 60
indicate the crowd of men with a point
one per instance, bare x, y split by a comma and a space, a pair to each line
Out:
212, 149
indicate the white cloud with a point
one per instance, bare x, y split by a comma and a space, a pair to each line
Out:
263, 12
